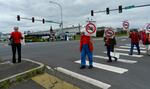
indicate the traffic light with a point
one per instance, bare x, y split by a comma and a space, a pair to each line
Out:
32, 19
92, 13
43, 20
18, 17
120, 9
107, 11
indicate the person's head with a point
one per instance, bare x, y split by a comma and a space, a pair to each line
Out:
16, 28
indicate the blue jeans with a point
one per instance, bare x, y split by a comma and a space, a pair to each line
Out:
85, 51
132, 47
109, 48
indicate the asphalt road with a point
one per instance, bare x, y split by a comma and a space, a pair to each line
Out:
64, 54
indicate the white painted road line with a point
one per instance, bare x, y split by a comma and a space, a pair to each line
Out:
119, 60
84, 78
130, 47
108, 67
123, 39
141, 45
126, 54
129, 50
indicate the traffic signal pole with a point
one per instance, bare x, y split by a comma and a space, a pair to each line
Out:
120, 7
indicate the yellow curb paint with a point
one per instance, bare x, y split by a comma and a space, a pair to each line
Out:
50, 82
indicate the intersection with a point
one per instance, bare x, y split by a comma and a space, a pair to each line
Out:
129, 72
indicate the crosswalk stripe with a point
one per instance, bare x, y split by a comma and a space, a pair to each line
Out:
141, 45
129, 50
123, 39
84, 78
130, 47
126, 54
120, 60
108, 67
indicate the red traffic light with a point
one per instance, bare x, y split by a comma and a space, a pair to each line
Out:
33, 19
43, 20
18, 17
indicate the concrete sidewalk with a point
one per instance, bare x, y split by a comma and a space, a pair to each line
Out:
12, 73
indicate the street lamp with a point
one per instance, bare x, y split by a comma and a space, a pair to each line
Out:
61, 24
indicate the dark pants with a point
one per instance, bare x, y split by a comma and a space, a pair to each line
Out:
14, 48
132, 46
110, 48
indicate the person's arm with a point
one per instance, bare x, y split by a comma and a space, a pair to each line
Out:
115, 43
104, 39
11, 36
21, 37
80, 43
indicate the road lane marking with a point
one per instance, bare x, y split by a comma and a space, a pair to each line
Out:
130, 47
126, 54
123, 39
129, 50
119, 60
141, 45
108, 67
84, 78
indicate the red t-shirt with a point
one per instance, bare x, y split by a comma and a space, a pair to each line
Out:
135, 38
16, 36
86, 40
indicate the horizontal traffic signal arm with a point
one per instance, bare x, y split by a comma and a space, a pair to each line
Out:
41, 20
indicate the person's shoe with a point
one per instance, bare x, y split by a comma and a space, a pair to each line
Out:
130, 54
90, 67
82, 67
116, 59
13, 62
19, 61
109, 61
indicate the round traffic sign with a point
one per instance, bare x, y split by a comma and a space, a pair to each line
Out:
148, 27
125, 24
90, 28
109, 33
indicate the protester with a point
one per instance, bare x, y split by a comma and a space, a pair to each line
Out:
135, 38
110, 43
15, 38
86, 48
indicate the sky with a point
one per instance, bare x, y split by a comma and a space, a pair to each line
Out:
74, 12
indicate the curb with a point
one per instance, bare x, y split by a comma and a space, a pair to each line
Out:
6, 82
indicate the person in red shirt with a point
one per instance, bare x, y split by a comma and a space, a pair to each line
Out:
135, 38
15, 38
86, 48
110, 43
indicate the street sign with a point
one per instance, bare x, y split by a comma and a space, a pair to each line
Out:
125, 24
148, 28
129, 7
109, 33
90, 29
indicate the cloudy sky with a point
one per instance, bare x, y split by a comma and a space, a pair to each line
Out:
74, 12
